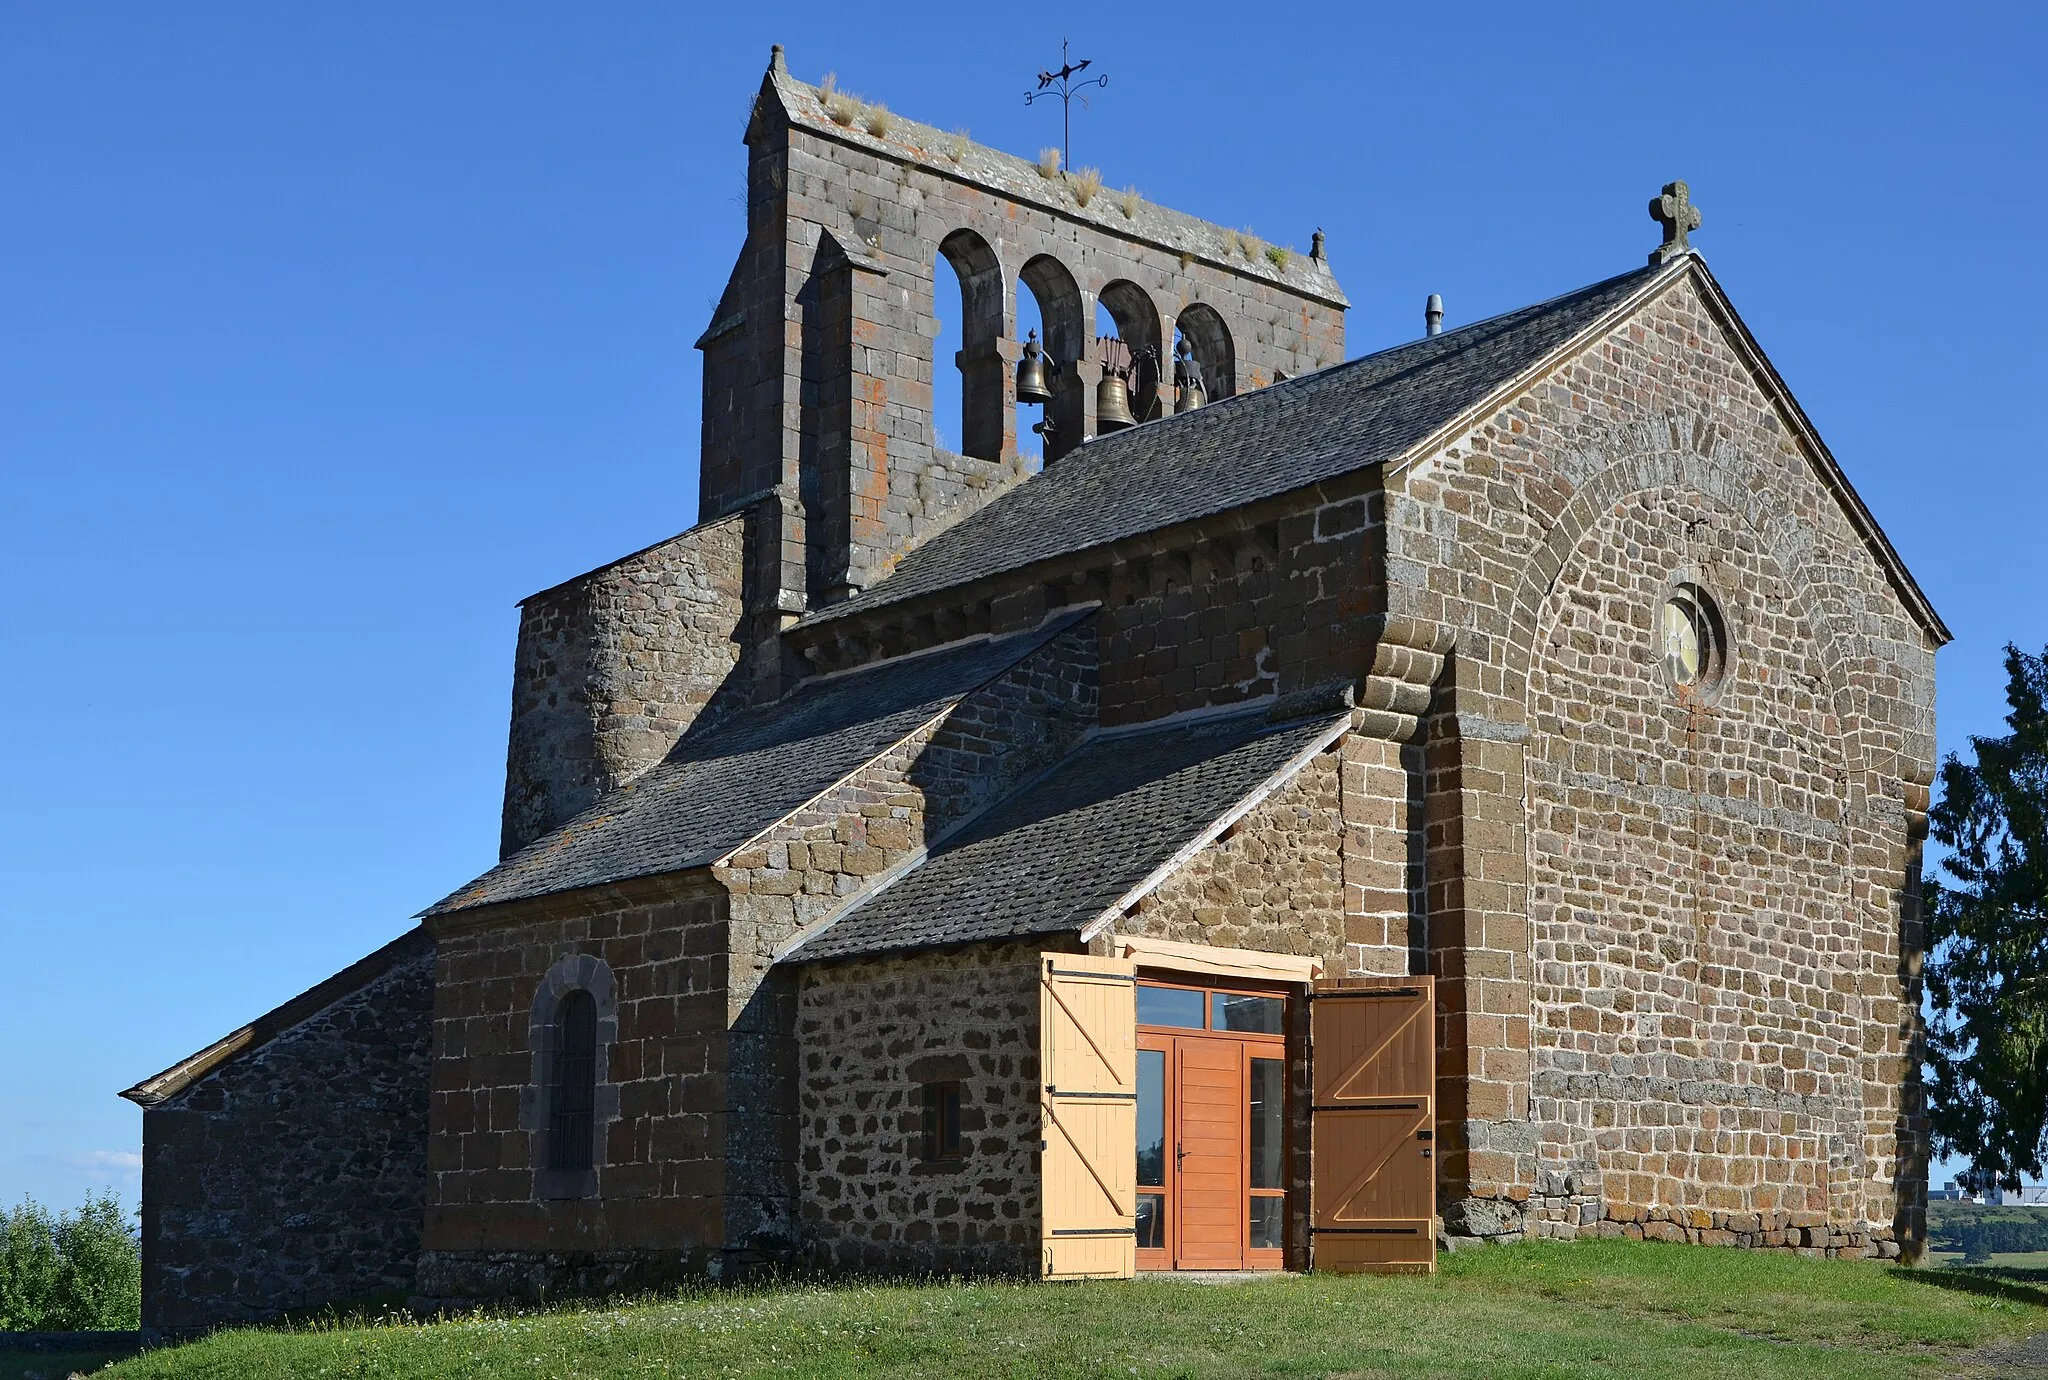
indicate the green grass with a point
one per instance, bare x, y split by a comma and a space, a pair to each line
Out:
1601, 1308
2005, 1260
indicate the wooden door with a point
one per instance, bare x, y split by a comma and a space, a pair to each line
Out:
1372, 1048
1210, 1193
1087, 1053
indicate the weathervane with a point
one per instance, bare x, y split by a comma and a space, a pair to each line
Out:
1067, 89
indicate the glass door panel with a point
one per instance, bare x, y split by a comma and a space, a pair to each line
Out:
1266, 1177
1152, 1129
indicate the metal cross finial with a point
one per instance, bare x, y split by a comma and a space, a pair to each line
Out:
1067, 90
1673, 209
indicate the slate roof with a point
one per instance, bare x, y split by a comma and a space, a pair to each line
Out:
717, 789
1056, 854
1242, 449
415, 944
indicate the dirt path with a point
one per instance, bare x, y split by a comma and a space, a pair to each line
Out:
2026, 1359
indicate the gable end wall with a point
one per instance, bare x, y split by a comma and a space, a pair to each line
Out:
1676, 940
293, 1179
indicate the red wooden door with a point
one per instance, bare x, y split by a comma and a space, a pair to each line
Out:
1210, 1153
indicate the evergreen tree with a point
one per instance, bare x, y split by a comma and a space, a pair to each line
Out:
1987, 940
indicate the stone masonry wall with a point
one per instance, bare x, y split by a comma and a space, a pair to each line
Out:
807, 866
873, 1032
1279, 610
659, 1211
1697, 1026
1274, 882
613, 666
933, 496
292, 1179
1675, 942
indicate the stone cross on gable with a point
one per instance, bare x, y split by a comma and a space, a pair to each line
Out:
1673, 209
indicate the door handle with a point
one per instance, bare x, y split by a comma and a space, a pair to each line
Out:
1180, 1153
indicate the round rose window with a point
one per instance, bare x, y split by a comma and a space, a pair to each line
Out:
1689, 639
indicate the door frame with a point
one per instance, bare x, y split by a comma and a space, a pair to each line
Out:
1288, 1047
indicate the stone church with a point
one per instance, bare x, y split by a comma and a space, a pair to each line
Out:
1327, 809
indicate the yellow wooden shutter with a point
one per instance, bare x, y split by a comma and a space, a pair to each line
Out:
1088, 1070
1372, 1047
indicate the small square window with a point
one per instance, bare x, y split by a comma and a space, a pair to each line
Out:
941, 1108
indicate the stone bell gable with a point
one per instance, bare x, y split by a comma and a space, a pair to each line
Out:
818, 365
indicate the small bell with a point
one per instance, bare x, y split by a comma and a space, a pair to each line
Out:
1031, 386
1112, 404
1187, 378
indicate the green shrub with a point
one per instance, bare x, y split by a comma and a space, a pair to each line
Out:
80, 1271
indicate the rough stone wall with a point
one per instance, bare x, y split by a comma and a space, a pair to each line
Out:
293, 1178
1274, 882
659, 1209
1679, 976
872, 1032
613, 666
933, 496
1282, 608
807, 865
839, 846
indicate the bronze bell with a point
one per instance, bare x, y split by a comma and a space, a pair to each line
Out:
1112, 404
1031, 385
1187, 376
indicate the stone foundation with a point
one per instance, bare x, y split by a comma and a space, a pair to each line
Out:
452, 1281
1568, 1207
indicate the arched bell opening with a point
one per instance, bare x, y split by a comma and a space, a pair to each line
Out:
1208, 359
978, 384
1056, 305
1128, 330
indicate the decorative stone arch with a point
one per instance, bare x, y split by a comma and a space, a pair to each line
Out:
985, 386
1688, 453
1063, 311
1138, 326
1202, 326
573, 973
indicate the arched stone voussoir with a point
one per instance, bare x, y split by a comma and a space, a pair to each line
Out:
1694, 458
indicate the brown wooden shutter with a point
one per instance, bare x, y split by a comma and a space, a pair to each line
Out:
1088, 1070
1372, 1049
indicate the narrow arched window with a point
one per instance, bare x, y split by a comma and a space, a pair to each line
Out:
572, 1095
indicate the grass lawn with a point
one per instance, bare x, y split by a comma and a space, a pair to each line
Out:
2001, 1260
1595, 1308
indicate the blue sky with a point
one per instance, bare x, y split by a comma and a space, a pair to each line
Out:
327, 333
